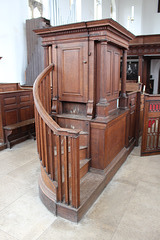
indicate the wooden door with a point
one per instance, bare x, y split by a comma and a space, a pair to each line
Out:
151, 129
73, 71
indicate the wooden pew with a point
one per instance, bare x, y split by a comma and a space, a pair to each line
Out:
8, 87
16, 116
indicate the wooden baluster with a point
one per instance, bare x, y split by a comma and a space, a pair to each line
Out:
40, 92
59, 168
66, 170
44, 93
51, 154
49, 94
38, 135
48, 97
45, 146
75, 172
36, 128
42, 138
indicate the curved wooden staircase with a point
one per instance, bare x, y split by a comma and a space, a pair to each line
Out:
65, 184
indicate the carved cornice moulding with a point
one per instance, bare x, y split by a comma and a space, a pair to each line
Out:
89, 27
145, 45
144, 50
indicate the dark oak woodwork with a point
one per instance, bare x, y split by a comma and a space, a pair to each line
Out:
35, 52
73, 71
16, 112
132, 105
7, 87
79, 124
145, 47
151, 128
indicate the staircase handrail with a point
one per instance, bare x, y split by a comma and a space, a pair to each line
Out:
43, 113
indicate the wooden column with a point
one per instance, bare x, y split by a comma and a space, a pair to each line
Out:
123, 97
140, 67
102, 106
91, 94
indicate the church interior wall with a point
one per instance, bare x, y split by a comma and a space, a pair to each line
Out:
13, 15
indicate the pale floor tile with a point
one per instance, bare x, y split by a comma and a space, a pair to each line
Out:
10, 190
28, 173
137, 169
142, 217
110, 206
146, 200
26, 218
138, 227
5, 236
11, 161
85, 230
7, 165
128, 209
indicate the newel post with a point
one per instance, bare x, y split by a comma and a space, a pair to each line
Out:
123, 97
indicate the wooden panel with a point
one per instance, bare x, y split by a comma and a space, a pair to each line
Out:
97, 145
71, 83
115, 139
132, 101
25, 98
7, 87
151, 129
10, 100
1, 128
141, 113
11, 116
73, 72
108, 77
25, 113
116, 73
107, 140
108, 72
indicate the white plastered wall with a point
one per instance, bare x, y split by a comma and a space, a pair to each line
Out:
13, 15
150, 17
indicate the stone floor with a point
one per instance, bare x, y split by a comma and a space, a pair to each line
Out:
128, 208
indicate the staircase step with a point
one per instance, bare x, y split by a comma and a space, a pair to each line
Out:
83, 152
89, 183
90, 188
83, 139
84, 167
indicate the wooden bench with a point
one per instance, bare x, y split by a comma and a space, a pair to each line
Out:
16, 116
10, 128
